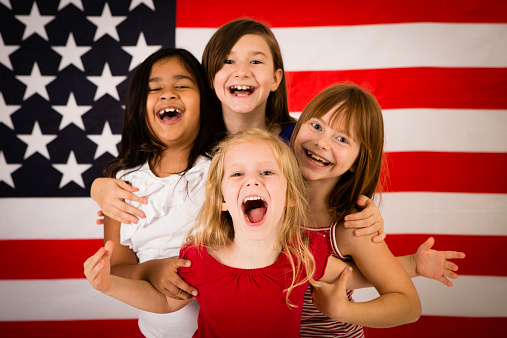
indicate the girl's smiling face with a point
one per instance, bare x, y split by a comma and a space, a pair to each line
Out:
173, 103
254, 191
247, 77
326, 151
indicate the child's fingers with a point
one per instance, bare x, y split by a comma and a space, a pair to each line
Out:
368, 230
380, 237
125, 186
92, 262
445, 281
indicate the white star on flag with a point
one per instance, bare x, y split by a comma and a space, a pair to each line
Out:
36, 142
5, 51
6, 169
72, 171
140, 51
71, 54
6, 3
106, 83
36, 83
106, 24
71, 113
6, 111
77, 3
148, 3
35, 22
106, 142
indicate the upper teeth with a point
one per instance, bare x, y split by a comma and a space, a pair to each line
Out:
240, 87
252, 198
169, 110
318, 158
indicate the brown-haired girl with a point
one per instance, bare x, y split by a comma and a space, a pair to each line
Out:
338, 141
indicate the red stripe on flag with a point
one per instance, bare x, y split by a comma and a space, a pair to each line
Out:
425, 87
482, 252
432, 326
290, 13
111, 328
447, 172
46, 259
60, 259
444, 326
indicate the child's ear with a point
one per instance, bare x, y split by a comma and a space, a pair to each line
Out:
277, 78
224, 205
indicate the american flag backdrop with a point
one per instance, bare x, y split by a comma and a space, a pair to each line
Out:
438, 69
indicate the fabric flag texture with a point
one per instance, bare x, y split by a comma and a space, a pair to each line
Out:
438, 69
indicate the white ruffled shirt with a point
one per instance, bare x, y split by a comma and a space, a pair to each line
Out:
173, 204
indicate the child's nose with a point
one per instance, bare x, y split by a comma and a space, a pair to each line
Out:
322, 142
241, 70
168, 95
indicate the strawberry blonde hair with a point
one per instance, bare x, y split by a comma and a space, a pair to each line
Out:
214, 227
359, 110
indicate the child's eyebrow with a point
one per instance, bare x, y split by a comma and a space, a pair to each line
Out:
175, 77
252, 53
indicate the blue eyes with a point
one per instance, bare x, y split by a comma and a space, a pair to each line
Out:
318, 127
263, 173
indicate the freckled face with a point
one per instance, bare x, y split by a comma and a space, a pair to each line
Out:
247, 77
326, 152
173, 103
254, 191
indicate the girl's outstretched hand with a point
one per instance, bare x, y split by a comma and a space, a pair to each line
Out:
97, 268
110, 194
435, 264
331, 298
367, 221
164, 277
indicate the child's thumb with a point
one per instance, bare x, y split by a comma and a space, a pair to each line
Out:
341, 284
109, 247
428, 244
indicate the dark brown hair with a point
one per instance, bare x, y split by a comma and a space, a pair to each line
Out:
138, 144
219, 47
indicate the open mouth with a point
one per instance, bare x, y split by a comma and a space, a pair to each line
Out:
321, 162
169, 114
241, 90
254, 208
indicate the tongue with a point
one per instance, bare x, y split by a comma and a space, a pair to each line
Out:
255, 215
241, 93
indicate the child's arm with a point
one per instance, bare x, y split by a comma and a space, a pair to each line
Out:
398, 302
110, 193
368, 221
161, 273
137, 293
432, 264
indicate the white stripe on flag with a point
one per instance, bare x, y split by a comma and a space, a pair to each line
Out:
67, 299
58, 299
444, 213
444, 130
378, 46
403, 213
471, 296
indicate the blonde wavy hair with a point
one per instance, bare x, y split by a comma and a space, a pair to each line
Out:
214, 227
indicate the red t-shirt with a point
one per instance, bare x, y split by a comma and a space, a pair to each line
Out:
248, 302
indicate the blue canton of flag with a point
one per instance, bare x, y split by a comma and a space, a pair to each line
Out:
65, 68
